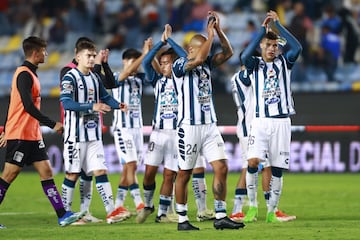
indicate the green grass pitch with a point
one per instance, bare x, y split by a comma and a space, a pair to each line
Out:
327, 206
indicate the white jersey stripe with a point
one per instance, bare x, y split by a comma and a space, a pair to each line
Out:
195, 98
82, 126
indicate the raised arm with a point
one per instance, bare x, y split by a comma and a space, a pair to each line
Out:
227, 50
247, 55
135, 65
167, 37
107, 78
295, 47
150, 72
204, 49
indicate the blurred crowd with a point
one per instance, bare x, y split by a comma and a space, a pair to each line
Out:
327, 29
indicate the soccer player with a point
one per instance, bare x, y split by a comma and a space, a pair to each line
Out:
270, 133
86, 183
197, 131
127, 128
243, 97
23, 136
83, 97
162, 143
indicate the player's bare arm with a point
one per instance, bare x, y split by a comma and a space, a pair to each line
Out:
227, 50
131, 68
59, 128
123, 107
200, 48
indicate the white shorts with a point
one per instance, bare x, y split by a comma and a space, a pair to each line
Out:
162, 149
195, 139
270, 138
129, 144
88, 156
200, 162
243, 141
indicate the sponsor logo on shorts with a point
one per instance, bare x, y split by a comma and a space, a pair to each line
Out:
18, 156
41, 144
129, 144
284, 154
151, 146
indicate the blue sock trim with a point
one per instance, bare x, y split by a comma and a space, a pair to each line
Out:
220, 210
165, 202
85, 177
69, 183
123, 187
252, 170
241, 191
101, 179
276, 172
198, 175
149, 187
184, 213
133, 186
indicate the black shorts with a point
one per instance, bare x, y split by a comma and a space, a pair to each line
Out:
21, 152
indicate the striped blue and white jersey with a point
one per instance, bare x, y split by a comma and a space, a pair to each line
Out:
271, 84
244, 100
129, 91
81, 126
195, 93
166, 104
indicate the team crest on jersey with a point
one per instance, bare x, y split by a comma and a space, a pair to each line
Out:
168, 103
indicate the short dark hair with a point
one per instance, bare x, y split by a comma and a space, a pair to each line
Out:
83, 39
131, 53
271, 35
85, 45
33, 43
170, 52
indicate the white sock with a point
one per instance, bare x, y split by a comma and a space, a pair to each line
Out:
240, 195
251, 188
171, 208
275, 190
200, 190
120, 196
164, 204
86, 188
220, 208
67, 193
135, 194
148, 198
106, 195
182, 209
